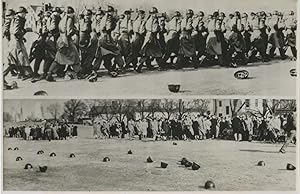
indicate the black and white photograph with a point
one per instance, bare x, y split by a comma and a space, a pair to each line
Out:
148, 48
149, 145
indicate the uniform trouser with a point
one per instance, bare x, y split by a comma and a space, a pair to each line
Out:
86, 62
272, 50
10, 68
294, 51
107, 62
147, 60
55, 67
37, 62
291, 136
182, 61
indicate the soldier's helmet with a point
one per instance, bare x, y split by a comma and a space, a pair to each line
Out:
237, 13
22, 10
57, 10
190, 12
128, 12
153, 10
70, 10
87, 12
10, 12
222, 14
141, 12
201, 13
177, 14
100, 12
244, 15
215, 14
110, 9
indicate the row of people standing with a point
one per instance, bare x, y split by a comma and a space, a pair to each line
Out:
76, 46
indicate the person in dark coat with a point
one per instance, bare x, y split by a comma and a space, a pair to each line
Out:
67, 53
237, 128
86, 43
108, 48
291, 130
138, 37
276, 38
126, 32
44, 47
17, 54
172, 38
187, 46
151, 48
291, 25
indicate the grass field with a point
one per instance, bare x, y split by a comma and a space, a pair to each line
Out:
231, 165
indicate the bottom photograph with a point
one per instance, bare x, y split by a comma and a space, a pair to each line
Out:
149, 145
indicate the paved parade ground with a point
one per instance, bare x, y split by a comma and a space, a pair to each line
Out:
263, 80
230, 165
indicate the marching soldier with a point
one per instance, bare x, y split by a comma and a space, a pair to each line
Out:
9, 16
216, 29
86, 45
237, 45
125, 36
172, 38
187, 47
246, 30
106, 45
18, 55
151, 48
291, 26
201, 36
276, 38
257, 38
67, 53
138, 36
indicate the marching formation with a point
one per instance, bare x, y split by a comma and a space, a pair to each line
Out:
75, 45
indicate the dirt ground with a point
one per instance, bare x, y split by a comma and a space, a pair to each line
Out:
231, 165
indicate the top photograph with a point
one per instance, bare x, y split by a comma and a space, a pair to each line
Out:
148, 48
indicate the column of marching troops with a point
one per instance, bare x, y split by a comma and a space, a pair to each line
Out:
75, 45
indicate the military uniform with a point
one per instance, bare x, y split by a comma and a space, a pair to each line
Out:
107, 46
6, 40
17, 52
138, 36
151, 47
67, 53
276, 37
172, 38
187, 47
87, 46
125, 36
291, 25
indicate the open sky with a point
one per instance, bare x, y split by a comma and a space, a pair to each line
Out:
165, 5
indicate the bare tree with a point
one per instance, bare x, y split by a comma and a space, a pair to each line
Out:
141, 108
236, 105
74, 108
183, 107
53, 109
201, 105
153, 107
168, 107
